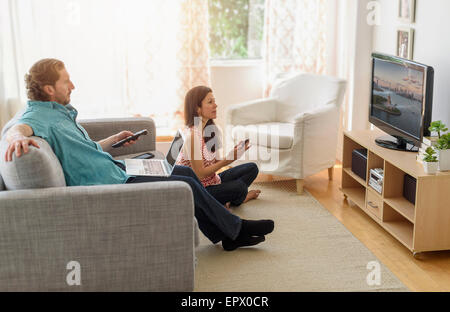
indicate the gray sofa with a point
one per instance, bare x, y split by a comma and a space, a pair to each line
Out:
136, 237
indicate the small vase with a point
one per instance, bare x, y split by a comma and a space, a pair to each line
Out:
430, 167
444, 159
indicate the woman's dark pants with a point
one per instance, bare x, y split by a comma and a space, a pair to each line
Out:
235, 183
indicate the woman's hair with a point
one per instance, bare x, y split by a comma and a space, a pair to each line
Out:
42, 73
192, 102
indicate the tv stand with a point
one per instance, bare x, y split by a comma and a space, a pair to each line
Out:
397, 143
423, 226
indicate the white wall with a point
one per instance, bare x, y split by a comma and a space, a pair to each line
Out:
235, 83
360, 71
431, 44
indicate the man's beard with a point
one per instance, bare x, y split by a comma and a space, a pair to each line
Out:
63, 100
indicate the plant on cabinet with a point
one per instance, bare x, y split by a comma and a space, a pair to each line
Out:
430, 162
443, 150
438, 127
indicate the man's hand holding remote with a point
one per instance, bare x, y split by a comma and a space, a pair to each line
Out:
124, 138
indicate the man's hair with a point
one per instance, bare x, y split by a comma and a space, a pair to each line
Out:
42, 73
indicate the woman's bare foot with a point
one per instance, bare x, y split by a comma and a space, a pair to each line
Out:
253, 194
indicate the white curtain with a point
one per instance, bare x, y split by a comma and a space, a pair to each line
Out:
10, 82
125, 58
294, 38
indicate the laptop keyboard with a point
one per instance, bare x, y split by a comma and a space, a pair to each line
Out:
154, 167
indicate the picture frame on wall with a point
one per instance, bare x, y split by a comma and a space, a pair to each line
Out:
406, 10
405, 43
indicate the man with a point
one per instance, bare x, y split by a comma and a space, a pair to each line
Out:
50, 116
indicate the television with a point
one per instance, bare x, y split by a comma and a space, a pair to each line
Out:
401, 101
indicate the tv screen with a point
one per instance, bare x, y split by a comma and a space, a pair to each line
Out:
401, 97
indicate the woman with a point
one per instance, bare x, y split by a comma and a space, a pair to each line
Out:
202, 140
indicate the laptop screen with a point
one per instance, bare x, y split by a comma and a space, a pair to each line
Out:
175, 148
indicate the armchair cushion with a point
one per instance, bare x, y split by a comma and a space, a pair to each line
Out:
272, 134
39, 168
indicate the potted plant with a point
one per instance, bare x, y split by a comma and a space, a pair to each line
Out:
443, 149
438, 127
430, 162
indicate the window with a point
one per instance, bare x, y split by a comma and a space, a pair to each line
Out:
236, 29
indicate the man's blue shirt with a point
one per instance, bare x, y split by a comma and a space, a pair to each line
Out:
83, 160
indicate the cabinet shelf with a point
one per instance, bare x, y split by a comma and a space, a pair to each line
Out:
356, 194
403, 231
355, 176
402, 206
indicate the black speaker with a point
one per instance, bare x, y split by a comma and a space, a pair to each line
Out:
409, 188
359, 162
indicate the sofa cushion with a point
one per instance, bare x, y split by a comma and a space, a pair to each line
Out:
272, 134
39, 168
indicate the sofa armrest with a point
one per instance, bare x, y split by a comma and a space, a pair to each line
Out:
132, 237
252, 112
318, 115
100, 129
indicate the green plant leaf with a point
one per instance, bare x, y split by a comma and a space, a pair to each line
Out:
429, 155
444, 142
438, 127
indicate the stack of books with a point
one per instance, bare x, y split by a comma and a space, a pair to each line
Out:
426, 143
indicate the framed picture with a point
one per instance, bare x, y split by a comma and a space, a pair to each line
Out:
406, 10
405, 40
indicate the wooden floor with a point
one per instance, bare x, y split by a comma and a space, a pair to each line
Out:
428, 272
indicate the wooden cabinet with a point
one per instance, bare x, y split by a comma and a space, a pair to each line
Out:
423, 226
374, 203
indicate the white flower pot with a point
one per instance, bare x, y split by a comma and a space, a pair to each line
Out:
430, 167
444, 159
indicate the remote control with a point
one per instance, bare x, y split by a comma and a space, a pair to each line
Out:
130, 138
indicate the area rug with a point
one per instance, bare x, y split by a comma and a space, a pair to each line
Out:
309, 250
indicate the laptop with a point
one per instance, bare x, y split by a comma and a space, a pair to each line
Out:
156, 167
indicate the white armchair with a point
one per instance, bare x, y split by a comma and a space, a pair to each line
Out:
297, 126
